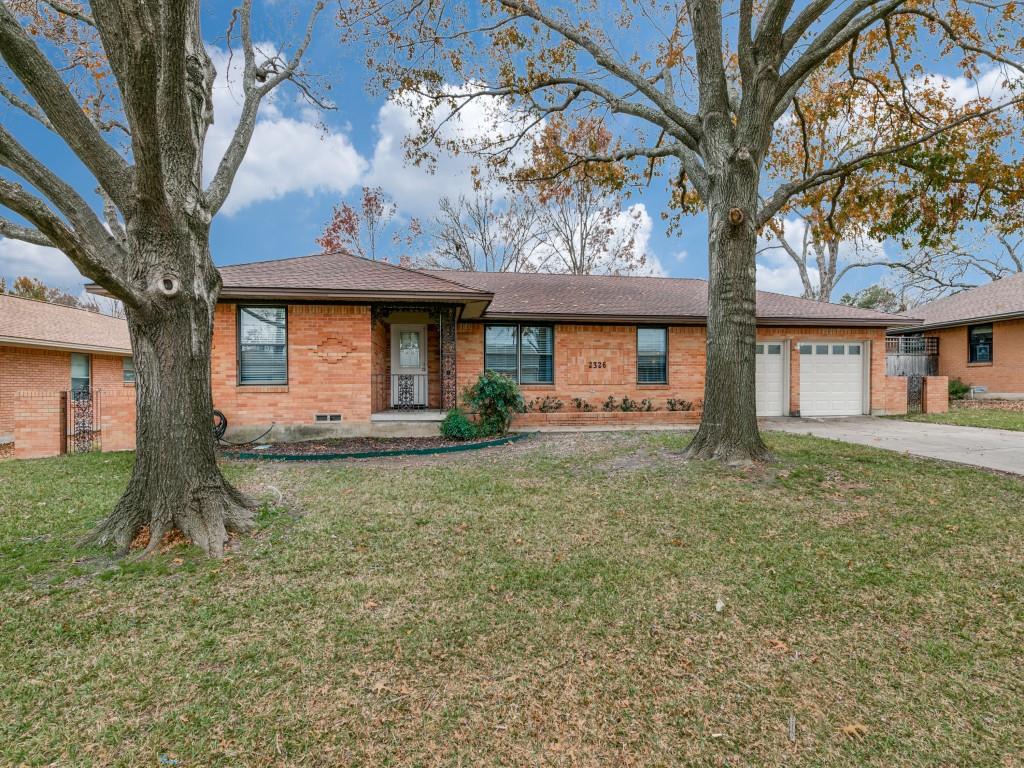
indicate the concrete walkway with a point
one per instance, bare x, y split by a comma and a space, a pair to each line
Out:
998, 449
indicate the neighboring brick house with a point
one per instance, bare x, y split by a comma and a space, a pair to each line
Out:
980, 335
332, 343
47, 349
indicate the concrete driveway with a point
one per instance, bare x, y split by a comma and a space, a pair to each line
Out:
998, 449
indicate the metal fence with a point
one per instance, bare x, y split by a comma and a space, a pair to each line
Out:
82, 421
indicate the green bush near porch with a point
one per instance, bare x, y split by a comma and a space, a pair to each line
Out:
495, 399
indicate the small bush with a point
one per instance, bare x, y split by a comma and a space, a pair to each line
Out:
582, 405
546, 404
457, 426
679, 405
494, 398
611, 404
957, 389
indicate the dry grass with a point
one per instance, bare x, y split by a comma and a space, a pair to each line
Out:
547, 603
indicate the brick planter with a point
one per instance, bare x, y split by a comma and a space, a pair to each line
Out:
605, 419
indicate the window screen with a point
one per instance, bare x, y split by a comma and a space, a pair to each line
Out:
979, 344
501, 350
262, 345
537, 355
651, 356
80, 373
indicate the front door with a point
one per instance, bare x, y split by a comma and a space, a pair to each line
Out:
408, 366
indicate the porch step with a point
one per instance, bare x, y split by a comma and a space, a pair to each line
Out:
413, 415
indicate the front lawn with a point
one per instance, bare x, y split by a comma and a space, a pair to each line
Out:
992, 418
552, 602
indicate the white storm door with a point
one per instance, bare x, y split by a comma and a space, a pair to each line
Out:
832, 378
770, 381
408, 366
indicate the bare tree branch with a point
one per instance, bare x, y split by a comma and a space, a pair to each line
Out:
257, 82
39, 77
26, 234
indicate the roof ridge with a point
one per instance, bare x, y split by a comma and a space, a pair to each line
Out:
564, 274
61, 306
835, 304
414, 270
965, 291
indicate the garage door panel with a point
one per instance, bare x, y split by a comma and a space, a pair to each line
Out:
770, 380
831, 379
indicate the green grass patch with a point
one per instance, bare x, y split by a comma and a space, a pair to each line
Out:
990, 418
551, 602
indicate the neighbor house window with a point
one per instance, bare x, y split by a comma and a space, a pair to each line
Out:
262, 345
651, 356
128, 370
979, 344
526, 353
81, 371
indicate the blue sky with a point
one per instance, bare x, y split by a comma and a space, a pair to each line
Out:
302, 163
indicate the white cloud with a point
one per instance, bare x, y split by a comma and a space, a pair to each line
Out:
416, 189
992, 84
288, 153
47, 264
637, 214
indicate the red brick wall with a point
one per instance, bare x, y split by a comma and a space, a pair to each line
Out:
1006, 371
615, 345
38, 423
894, 395
25, 368
117, 419
330, 351
935, 396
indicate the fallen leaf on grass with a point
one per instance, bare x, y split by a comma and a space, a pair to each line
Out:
854, 731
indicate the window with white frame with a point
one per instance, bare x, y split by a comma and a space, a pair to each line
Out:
525, 353
262, 345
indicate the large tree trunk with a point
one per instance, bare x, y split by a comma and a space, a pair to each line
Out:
176, 483
728, 430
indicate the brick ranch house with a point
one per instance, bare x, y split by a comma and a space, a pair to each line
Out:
49, 351
336, 344
976, 336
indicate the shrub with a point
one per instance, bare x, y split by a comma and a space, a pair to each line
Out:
611, 404
582, 405
457, 426
957, 389
495, 398
546, 404
679, 405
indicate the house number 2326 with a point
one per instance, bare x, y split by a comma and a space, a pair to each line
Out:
597, 364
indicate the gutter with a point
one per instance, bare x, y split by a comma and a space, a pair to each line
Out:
690, 320
20, 341
968, 321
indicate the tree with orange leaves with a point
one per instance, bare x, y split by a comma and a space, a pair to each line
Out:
694, 91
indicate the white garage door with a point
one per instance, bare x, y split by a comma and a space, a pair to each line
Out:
770, 381
831, 379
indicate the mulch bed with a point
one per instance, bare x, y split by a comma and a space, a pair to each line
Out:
6, 451
349, 445
998, 405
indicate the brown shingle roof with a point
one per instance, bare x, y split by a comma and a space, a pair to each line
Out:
39, 324
656, 298
1000, 298
335, 273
